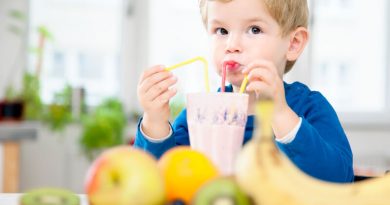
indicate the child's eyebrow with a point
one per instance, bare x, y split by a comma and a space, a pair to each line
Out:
249, 20
255, 19
215, 21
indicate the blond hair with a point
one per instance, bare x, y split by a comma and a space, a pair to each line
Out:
289, 14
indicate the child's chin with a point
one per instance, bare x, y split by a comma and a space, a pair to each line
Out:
235, 80
236, 84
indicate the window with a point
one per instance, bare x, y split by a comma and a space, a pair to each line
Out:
85, 48
349, 60
176, 33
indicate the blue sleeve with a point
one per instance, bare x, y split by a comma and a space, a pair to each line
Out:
180, 129
155, 148
321, 148
179, 137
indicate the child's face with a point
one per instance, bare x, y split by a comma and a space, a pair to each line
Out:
244, 31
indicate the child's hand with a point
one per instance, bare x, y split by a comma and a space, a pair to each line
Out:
266, 82
154, 95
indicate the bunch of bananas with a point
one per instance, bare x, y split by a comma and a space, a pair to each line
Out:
270, 178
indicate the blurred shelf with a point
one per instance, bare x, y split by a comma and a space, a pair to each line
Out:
13, 131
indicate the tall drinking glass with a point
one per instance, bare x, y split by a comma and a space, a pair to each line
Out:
216, 123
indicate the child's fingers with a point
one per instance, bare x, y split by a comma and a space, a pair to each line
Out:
260, 74
160, 88
149, 72
166, 96
257, 85
260, 88
152, 80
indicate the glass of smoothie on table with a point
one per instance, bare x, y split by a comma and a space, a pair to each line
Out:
216, 123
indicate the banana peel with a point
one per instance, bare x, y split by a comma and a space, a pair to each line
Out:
270, 178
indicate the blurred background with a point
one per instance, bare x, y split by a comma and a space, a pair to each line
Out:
72, 67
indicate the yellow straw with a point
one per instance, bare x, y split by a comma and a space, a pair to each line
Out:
243, 84
206, 68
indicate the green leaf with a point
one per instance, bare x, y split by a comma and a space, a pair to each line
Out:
16, 14
45, 32
59, 113
31, 96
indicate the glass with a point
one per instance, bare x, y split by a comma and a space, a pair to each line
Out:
216, 123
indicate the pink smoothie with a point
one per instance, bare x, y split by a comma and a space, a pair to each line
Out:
216, 123
221, 143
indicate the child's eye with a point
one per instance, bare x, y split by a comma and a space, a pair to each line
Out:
221, 31
255, 30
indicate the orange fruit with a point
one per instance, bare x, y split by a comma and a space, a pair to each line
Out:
185, 171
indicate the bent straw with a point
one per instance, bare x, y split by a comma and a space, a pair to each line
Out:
243, 84
224, 68
223, 77
206, 72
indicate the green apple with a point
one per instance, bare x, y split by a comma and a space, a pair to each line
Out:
125, 176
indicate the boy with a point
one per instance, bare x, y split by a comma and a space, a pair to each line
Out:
263, 38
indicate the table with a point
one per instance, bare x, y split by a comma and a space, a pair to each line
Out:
10, 135
13, 199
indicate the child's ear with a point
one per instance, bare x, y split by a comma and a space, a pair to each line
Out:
298, 41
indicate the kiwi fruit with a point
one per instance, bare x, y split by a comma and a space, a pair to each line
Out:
221, 191
49, 196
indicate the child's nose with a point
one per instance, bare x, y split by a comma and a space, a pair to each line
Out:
233, 44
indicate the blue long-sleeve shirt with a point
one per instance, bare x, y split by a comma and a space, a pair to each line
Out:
320, 148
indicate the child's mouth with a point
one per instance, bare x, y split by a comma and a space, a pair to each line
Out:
231, 66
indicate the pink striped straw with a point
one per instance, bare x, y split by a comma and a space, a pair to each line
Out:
226, 64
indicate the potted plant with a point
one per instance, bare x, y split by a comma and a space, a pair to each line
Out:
103, 128
58, 114
26, 102
31, 81
12, 105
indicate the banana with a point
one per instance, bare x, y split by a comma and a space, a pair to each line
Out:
270, 178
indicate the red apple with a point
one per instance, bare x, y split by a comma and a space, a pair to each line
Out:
125, 176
